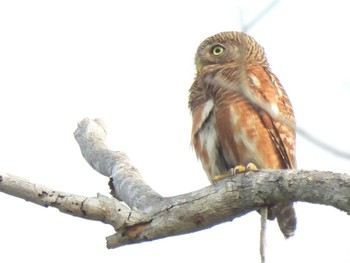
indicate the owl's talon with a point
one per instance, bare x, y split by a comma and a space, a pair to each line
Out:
251, 167
220, 177
238, 169
233, 171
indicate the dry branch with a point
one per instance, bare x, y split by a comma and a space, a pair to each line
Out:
149, 216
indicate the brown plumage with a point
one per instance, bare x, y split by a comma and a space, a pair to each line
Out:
241, 113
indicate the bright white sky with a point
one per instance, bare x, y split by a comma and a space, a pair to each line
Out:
131, 63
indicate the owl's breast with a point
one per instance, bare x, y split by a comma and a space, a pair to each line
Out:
242, 134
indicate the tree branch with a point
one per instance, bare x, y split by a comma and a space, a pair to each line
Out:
150, 216
100, 208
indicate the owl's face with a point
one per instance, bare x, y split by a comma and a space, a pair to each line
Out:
228, 47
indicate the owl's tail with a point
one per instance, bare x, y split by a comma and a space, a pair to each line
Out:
286, 219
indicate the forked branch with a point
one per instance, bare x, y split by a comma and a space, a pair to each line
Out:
149, 216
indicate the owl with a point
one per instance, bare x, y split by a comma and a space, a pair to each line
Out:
241, 114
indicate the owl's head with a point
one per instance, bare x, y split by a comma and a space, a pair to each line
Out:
229, 47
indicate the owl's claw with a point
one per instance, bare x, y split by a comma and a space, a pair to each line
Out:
251, 167
220, 177
236, 170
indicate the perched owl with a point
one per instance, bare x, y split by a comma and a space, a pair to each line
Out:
241, 113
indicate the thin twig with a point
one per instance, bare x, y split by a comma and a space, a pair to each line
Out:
255, 20
322, 145
263, 219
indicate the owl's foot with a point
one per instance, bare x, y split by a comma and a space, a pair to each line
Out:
241, 169
236, 170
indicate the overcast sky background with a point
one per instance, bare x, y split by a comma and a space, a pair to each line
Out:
131, 63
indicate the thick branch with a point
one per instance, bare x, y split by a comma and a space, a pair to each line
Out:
152, 216
239, 195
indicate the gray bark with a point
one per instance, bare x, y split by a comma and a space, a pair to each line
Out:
148, 216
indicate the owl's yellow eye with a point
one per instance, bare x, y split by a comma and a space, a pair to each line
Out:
217, 50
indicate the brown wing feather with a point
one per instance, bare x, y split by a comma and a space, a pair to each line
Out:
282, 131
